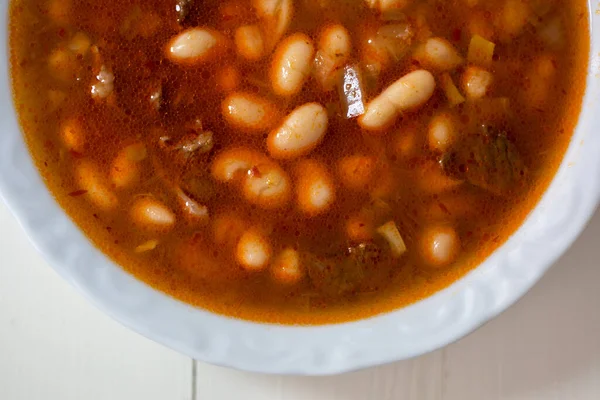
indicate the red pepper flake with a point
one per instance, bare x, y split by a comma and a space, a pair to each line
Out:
254, 172
75, 154
78, 193
444, 208
48, 145
456, 34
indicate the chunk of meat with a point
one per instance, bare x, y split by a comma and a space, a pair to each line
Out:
337, 275
488, 160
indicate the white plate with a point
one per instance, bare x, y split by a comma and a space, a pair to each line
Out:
432, 323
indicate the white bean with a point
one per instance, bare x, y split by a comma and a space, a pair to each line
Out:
228, 228
151, 214
439, 54
253, 251
125, 168
268, 186
407, 93
59, 11
55, 99
234, 162
276, 17
314, 187
286, 267
80, 43
89, 178
541, 77
263, 182
249, 42
513, 18
442, 132
299, 133
439, 245
195, 45
335, 48
360, 228
387, 5
357, 172
72, 135
249, 112
476, 82
227, 78
63, 65
291, 64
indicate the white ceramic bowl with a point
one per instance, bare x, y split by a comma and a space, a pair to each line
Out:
432, 323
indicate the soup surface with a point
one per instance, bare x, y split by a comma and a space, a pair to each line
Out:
298, 161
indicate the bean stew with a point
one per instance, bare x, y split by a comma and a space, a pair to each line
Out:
298, 161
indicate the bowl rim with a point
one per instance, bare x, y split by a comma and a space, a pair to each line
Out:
554, 224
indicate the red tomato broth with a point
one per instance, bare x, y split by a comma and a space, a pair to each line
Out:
186, 262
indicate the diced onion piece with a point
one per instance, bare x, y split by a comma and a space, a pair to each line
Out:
287, 268
481, 51
194, 211
136, 152
148, 246
390, 232
396, 39
253, 251
452, 94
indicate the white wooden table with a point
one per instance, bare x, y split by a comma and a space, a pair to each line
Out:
55, 346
